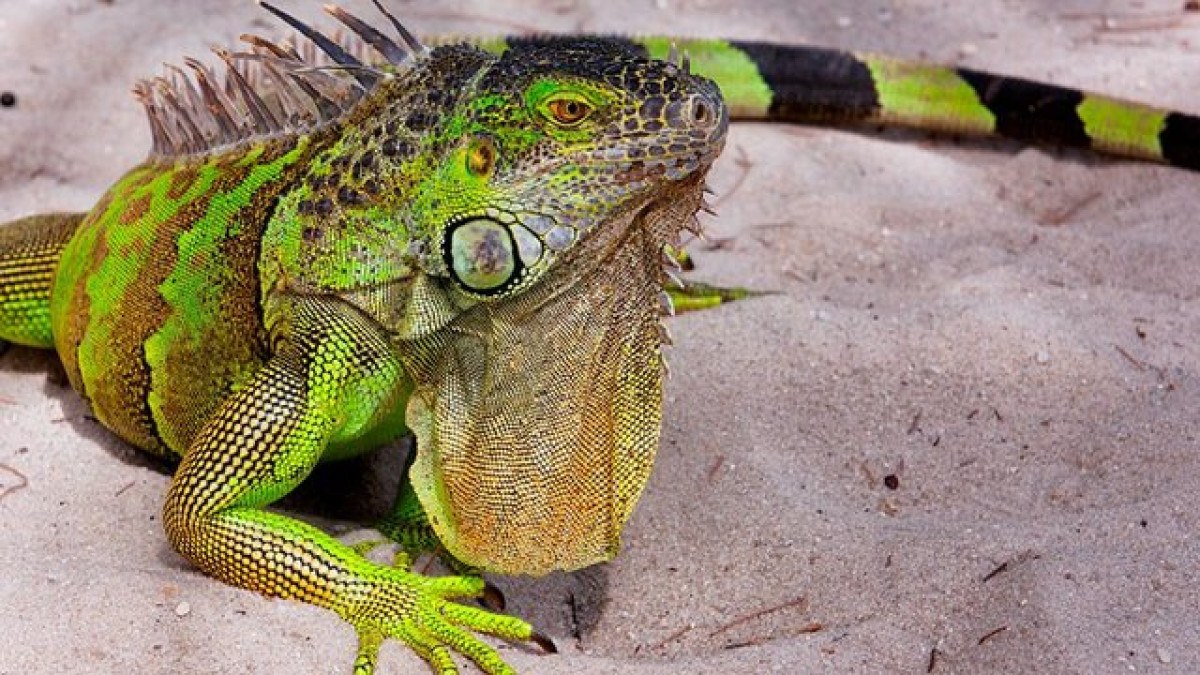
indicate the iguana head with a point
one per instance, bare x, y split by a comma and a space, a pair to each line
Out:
532, 330
549, 142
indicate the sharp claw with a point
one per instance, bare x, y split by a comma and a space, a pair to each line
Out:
493, 598
544, 642
401, 560
364, 547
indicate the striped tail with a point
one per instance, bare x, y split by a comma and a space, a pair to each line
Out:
29, 252
807, 85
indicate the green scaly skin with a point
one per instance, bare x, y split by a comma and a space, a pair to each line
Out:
462, 253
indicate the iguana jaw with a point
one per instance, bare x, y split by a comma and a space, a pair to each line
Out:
537, 420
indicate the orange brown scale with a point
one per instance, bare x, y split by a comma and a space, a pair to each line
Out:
220, 344
119, 385
209, 356
87, 249
183, 176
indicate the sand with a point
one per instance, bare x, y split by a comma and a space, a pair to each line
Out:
959, 437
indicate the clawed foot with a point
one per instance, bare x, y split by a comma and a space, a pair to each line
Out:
695, 296
421, 612
492, 597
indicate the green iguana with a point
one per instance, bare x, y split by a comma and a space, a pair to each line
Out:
325, 251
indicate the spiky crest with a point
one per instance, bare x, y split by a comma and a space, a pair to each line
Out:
274, 88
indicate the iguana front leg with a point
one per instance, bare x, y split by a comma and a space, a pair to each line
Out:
332, 368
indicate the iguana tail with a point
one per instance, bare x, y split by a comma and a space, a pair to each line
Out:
29, 252
809, 85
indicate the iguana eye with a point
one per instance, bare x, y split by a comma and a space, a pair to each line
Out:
481, 256
568, 111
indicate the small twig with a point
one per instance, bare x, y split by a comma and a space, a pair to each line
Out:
671, 638
934, 653
124, 488
746, 618
1133, 24
872, 481
573, 604
999, 570
1138, 363
85, 418
1142, 365
430, 560
777, 225
915, 426
5, 490
742, 162
1060, 216
992, 634
715, 467
814, 627
719, 243
1120, 16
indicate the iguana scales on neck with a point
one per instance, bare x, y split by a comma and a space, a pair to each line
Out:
330, 247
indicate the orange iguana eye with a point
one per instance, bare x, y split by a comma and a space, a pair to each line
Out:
569, 111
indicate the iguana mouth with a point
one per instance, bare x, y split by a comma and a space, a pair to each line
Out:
674, 167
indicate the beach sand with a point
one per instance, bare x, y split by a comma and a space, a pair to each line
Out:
959, 436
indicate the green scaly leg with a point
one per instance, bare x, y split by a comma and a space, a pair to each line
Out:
29, 251
330, 365
694, 296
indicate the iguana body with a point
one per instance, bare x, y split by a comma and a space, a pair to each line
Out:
255, 299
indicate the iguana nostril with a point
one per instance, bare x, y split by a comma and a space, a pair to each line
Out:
702, 113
